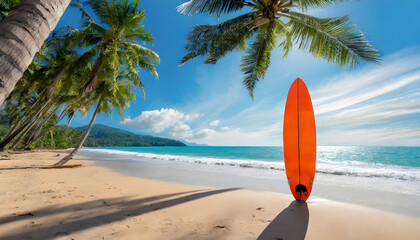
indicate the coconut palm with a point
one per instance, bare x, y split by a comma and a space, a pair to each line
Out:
268, 24
22, 34
114, 49
110, 94
47, 84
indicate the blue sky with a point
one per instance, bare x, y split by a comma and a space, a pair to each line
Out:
375, 104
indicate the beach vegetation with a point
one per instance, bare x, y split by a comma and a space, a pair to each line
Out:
113, 44
96, 66
265, 25
63, 137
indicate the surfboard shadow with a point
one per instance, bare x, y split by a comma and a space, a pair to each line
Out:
290, 224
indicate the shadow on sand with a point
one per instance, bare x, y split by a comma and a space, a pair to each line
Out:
290, 224
81, 216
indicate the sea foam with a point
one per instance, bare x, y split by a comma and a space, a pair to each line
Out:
324, 166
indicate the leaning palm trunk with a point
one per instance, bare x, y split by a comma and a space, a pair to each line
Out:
14, 127
41, 144
21, 127
22, 34
38, 136
38, 133
79, 145
37, 128
29, 128
23, 133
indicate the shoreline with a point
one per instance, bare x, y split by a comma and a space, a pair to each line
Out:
93, 202
336, 188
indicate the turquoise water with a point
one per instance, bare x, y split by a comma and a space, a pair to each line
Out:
394, 169
399, 156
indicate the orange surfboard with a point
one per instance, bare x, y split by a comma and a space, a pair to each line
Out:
299, 140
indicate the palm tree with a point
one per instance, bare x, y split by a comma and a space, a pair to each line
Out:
116, 56
53, 76
22, 34
108, 95
269, 24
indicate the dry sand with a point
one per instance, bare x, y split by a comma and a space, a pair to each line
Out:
91, 202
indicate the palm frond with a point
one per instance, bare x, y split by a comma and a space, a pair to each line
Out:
307, 4
210, 7
216, 40
335, 39
256, 60
283, 33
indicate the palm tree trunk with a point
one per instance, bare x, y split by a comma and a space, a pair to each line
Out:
93, 78
43, 140
34, 123
38, 128
23, 133
38, 134
260, 21
68, 123
21, 127
79, 145
14, 126
52, 139
22, 34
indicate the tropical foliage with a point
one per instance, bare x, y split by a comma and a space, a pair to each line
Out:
6, 6
97, 65
99, 136
270, 24
102, 135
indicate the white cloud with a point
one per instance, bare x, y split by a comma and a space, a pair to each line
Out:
158, 121
214, 123
205, 133
224, 128
180, 130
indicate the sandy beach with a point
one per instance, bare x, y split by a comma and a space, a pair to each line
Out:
92, 202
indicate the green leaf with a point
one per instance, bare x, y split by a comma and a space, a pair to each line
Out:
256, 60
306, 4
210, 7
217, 40
335, 39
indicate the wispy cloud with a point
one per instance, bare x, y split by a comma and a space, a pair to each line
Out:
374, 105
214, 123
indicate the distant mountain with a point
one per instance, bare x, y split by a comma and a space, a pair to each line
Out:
104, 136
193, 144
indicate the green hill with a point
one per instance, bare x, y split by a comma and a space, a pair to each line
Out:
105, 136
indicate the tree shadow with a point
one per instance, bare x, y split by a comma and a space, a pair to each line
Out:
290, 224
95, 213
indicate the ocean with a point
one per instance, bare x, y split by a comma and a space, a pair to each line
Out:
393, 169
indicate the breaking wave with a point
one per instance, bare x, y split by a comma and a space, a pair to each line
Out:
324, 166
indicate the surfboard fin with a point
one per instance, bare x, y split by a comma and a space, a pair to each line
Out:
301, 189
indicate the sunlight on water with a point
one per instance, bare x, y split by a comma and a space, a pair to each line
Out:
394, 168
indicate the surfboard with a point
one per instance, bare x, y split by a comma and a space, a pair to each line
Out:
299, 140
